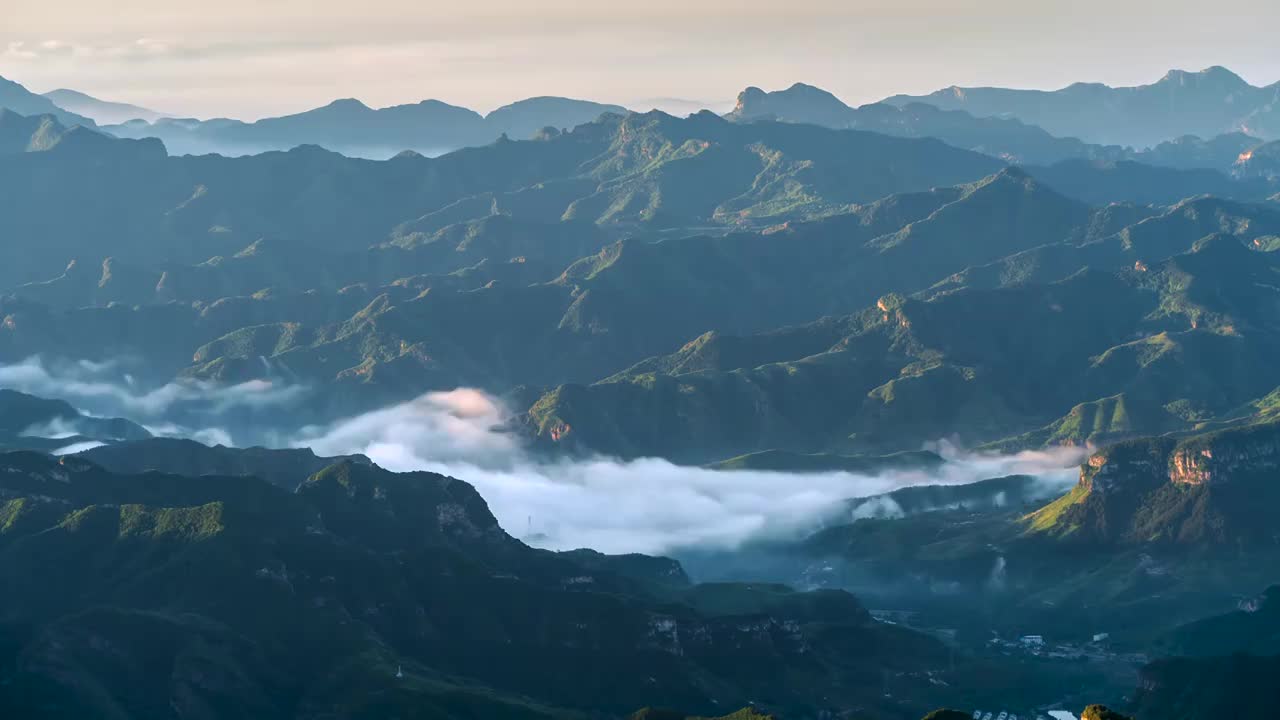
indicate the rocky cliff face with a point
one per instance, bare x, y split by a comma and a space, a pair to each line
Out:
1214, 458
1125, 466
1217, 488
1219, 457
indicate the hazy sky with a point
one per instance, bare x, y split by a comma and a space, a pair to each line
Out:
249, 58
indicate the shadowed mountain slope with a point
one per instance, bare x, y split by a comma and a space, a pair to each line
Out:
400, 591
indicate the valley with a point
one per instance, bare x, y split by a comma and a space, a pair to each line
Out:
956, 400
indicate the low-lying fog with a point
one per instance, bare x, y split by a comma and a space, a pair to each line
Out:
647, 505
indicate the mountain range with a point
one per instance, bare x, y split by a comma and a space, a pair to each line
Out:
348, 126
1183, 141
646, 256
1205, 103
1205, 119
352, 128
1007, 138
993, 415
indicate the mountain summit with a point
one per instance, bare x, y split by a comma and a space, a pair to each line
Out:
102, 111
20, 100
798, 103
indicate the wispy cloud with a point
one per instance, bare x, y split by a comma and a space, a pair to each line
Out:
44, 50
189, 408
19, 50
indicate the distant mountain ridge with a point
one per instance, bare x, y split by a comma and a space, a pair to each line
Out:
1005, 138
1205, 103
1083, 121
348, 126
1002, 134
103, 112
18, 99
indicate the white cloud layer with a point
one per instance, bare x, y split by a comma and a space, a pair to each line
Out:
647, 505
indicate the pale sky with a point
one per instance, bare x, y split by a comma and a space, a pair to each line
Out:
253, 58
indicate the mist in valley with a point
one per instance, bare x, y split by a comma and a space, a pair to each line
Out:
644, 505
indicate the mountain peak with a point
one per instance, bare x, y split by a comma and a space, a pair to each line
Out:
749, 96
798, 103
1215, 76
67, 93
805, 88
17, 98
346, 104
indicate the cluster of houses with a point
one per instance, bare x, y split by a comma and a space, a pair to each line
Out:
1097, 648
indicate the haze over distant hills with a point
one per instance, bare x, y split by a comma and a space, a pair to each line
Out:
18, 99
103, 112
1182, 139
350, 127
1187, 120
1010, 139
347, 125
1174, 121
1206, 103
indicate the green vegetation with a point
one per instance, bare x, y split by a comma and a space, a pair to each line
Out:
828, 290
694, 288
1208, 488
399, 589
1050, 518
904, 374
